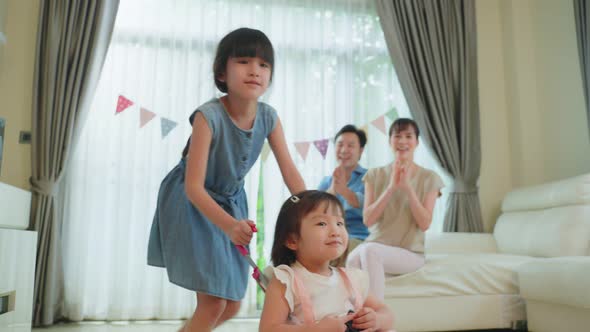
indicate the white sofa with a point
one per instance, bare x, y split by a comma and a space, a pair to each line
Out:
471, 281
17, 260
557, 293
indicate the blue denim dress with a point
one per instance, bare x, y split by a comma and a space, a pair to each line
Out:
195, 252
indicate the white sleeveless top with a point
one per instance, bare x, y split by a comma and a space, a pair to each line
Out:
328, 294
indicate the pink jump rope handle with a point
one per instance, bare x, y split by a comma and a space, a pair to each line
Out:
256, 272
242, 249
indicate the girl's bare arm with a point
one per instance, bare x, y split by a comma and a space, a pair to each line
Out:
290, 174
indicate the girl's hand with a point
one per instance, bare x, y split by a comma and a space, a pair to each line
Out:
241, 232
333, 323
365, 320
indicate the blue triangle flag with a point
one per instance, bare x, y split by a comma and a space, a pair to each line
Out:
167, 126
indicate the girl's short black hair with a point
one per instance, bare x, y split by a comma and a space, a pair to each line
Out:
402, 124
289, 220
242, 42
353, 129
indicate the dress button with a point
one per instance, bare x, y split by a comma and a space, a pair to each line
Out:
248, 135
244, 158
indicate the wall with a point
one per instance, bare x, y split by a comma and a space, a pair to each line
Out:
565, 132
533, 121
495, 178
16, 82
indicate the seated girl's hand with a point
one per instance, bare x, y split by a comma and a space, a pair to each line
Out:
365, 319
333, 323
241, 232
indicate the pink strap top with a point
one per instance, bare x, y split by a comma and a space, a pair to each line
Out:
307, 307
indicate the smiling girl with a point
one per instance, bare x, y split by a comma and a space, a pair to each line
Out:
202, 210
306, 293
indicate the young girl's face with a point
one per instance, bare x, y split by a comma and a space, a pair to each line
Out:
322, 236
247, 77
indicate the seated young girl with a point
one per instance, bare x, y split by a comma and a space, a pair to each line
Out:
306, 293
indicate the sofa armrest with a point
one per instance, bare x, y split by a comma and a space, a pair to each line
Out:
562, 280
460, 243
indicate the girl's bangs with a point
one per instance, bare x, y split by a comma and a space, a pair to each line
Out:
254, 48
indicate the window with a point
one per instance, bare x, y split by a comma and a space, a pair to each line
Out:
332, 68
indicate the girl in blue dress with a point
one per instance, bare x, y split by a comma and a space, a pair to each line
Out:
202, 210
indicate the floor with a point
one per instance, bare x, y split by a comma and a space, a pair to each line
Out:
234, 325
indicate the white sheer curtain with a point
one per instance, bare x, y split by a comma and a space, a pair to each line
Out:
332, 68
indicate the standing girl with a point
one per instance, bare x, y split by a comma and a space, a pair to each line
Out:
202, 210
306, 293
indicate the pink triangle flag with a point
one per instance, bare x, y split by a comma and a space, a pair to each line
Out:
380, 123
302, 148
122, 104
322, 146
145, 116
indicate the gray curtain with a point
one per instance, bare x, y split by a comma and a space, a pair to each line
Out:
433, 48
72, 41
581, 12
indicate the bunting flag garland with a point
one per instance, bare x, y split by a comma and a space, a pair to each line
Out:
122, 104
302, 148
392, 114
145, 116
265, 151
167, 126
380, 124
322, 146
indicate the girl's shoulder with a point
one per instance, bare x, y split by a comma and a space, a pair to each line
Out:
359, 279
286, 276
210, 110
268, 114
353, 272
264, 107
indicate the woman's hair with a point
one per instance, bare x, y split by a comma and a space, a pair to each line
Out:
242, 42
289, 220
403, 124
352, 129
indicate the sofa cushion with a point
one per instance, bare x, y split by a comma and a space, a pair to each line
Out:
564, 280
548, 220
457, 275
571, 191
459, 243
560, 231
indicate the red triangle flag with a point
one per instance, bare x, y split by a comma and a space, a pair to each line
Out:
145, 116
302, 148
380, 123
122, 104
